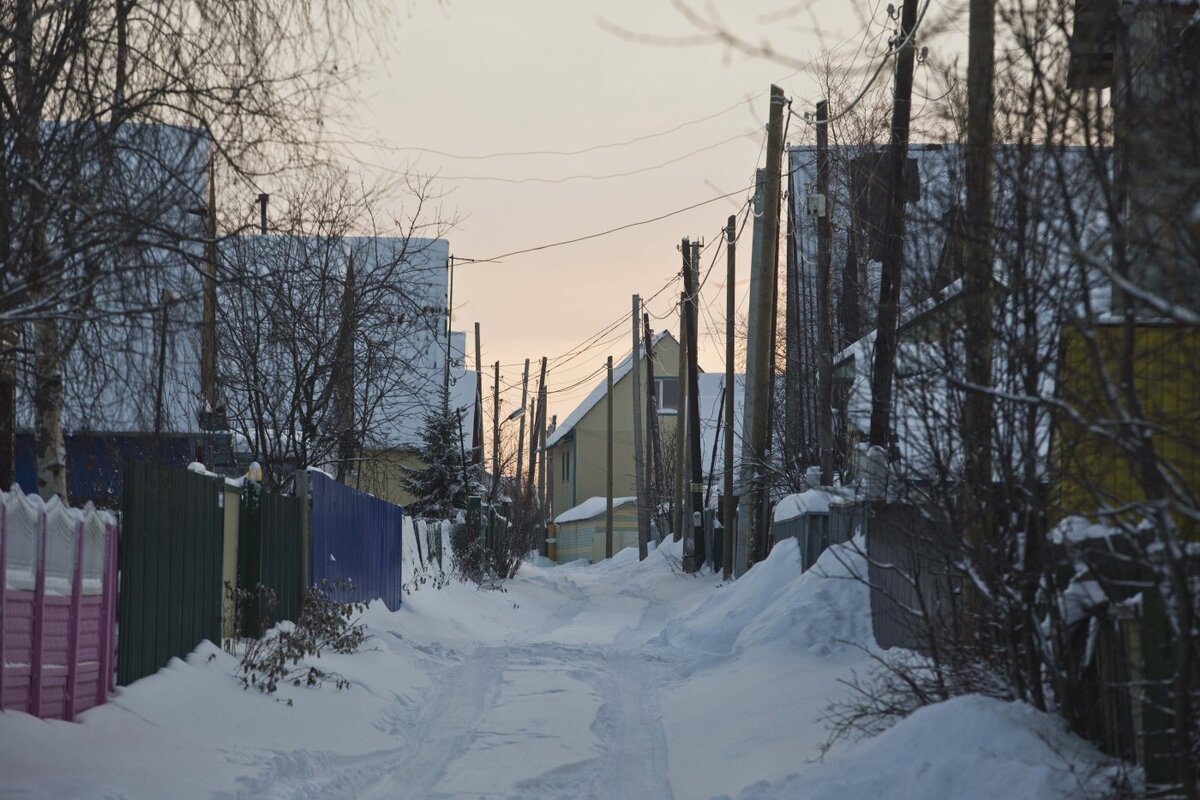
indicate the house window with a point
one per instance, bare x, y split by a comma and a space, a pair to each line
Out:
566, 468
668, 395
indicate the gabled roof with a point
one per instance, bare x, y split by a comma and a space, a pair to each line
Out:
619, 372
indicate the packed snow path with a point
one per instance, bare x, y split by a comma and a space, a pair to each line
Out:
545, 715
618, 680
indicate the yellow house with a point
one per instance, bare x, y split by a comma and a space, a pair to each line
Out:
576, 462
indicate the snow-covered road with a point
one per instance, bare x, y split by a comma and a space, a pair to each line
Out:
618, 680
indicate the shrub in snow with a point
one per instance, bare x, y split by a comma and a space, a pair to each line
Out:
280, 654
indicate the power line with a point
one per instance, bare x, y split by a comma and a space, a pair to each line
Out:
617, 229
578, 152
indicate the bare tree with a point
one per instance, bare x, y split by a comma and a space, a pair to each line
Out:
242, 84
331, 330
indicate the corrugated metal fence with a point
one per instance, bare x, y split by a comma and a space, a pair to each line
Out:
356, 536
170, 566
269, 548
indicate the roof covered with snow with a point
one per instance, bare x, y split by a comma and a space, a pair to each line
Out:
591, 508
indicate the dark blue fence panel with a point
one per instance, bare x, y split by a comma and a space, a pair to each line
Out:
356, 536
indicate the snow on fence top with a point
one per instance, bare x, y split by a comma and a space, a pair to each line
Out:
592, 507
24, 516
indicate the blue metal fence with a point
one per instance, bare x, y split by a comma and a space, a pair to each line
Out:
356, 536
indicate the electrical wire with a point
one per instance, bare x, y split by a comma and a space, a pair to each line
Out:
892, 51
577, 152
609, 231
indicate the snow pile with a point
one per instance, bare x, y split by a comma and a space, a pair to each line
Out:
967, 747
825, 609
822, 610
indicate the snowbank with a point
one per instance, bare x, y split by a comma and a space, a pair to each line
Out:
821, 610
967, 747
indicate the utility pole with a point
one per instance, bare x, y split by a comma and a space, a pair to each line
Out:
745, 474
208, 340
824, 214
541, 461
342, 375
884, 367
477, 421
496, 436
536, 427
521, 430
727, 525
764, 276
639, 451
656, 457
608, 460
691, 282
677, 509
795, 432
449, 331
977, 277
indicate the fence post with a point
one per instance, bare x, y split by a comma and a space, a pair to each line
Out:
3, 585
73, 630
39, 613
108, 587
304, 492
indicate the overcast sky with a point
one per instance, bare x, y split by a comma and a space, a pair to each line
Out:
480, 77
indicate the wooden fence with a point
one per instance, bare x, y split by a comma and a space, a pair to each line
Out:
57, 600
911, 553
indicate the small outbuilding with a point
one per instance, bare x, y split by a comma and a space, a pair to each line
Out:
580, 531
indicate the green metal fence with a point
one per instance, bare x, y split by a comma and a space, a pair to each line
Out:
269, 551
170, 559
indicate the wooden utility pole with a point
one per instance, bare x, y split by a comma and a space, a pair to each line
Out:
496, 436
521, 430
639, 450
759, 346
795, 440
977, 277
342, 375
541, 461
656, 456
691, 282
208, 339
477, 421
884, 367
677, 504
727, 526
539, 422
745, 473
449, 329
824, 222
608, 461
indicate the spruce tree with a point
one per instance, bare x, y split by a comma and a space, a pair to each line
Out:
444, 480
